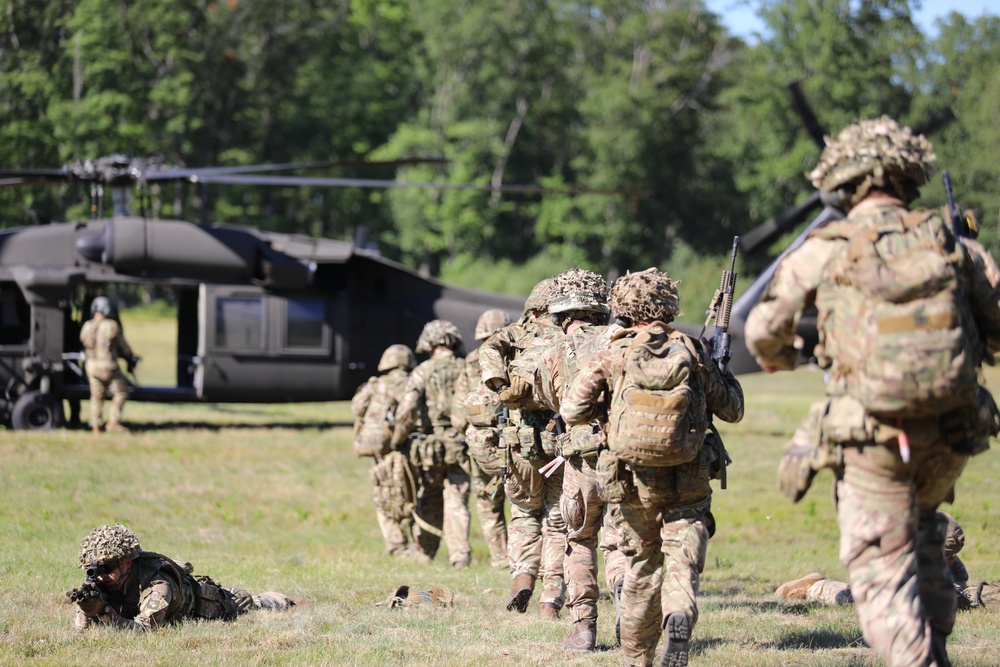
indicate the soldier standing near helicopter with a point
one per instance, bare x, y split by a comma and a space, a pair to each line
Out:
104, 344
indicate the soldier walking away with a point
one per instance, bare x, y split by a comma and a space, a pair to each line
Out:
438, 452
536, 535
663, 387
374, 406
140, 590
103, 345
482, 435
581, 310
899, 296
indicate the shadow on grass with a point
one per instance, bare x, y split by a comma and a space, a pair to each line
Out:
817, 639
218, 426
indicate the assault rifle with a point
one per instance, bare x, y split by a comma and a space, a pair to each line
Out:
719, 311
89, 589
960, 222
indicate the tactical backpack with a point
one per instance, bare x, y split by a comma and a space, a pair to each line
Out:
658, 412
374, 430
894, 318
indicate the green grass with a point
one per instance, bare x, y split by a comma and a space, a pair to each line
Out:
271, 497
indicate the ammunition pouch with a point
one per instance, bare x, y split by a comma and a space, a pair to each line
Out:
394, 483
614, 480
482, 407
584, 440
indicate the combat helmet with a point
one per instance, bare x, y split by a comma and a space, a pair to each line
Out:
439, 332
397, 356
490, 321
645, 296
875, 152
580, 290
541, 295
102, 305
954, 538
106, 544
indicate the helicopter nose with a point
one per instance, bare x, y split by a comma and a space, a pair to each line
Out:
91, 247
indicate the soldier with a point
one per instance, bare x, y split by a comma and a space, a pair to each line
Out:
488, 488
441, 457
896, 468
103, 345
536, 534
815, 587
581, 310
657, 468
374, 406
140, 590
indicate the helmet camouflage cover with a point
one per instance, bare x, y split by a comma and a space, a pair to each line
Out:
439, 332
579, 289
108, 543
490, 321
645, 296
397, 356
878, 147
541, 295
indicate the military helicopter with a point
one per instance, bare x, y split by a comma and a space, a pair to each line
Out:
261, 317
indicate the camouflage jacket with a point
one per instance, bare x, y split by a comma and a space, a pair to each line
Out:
770, 327
561, 361
603, 371
391, 384
104, 344
156, 591
466, 382
516, 350
429, 391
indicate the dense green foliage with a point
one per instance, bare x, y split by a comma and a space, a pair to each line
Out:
654, 101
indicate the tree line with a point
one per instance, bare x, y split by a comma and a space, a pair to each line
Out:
685, 132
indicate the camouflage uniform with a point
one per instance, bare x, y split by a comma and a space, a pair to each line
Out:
581, 304
890, 541
156, 590
441, 457
536, 534
488, 489
665, 519
104, 344
397, 362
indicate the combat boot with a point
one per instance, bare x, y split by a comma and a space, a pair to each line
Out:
676, 633
520, 593
798, 589
96, 429
582, 636
115, 426
618, 610
549, 610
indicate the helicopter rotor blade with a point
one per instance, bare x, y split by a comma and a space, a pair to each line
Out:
936, 122
299, 181
805, 112
200, 172
769, 231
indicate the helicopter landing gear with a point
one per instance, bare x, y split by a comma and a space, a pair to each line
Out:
37, 411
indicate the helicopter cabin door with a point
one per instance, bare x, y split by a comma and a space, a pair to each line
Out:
259, 347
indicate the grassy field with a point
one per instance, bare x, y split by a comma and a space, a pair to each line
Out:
272, 498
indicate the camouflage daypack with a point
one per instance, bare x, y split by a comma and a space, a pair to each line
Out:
658, 412
374, 430
395, 486
894, 322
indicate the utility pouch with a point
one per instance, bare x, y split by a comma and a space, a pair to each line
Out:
549, 441
484, 448
213, 602
509, 439
614, 481
584, 440
528, 442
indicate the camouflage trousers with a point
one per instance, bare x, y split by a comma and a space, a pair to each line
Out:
536, 536
829, 591
394, 533
664, 531
583, 510
893, 546
491, 516
443, 502
99, 383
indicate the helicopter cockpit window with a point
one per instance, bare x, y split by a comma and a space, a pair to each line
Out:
15, 316
305, 325
239, 323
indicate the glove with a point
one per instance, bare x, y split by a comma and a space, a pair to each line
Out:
514, 392
92, 605
795, 471
132, 363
